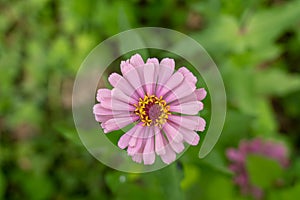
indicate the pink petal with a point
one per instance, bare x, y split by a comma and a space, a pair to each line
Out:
190, 136
148, 154
98, 109
173, 82
115, 104
169, 156
189, 108
169, 63
135, 149
254, 146
235, 155
172, 133
188, 122
164, 74
120, 82
200, 93
117, 94
196, 140
133, 77
136, 60
140, 71
177, 147
241, 180
114, 78
159, 145
137, 158
201, 123
184, 89
153, 60
139, 133
234, 168
188, 75
189, 98
103, 94
103, 118
125, 66
279, 151
124, 139
117, 123
149, 78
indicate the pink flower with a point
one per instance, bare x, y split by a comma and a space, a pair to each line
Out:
161, 103
238, 158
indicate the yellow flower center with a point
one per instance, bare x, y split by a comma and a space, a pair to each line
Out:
152, 110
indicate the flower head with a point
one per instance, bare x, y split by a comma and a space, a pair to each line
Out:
238, 158
161, 103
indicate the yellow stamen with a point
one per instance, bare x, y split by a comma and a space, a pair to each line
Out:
146, 104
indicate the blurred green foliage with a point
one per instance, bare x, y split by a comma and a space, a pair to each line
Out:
255, 43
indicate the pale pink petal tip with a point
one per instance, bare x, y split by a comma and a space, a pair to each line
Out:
201, 124
114, 78
153, 61
124, 141
137, 158
195, 140
103, 94
200, 94
125, 66
188, 75
169, 156
168, 62
136, 60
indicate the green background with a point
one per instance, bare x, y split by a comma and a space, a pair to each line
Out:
255, 44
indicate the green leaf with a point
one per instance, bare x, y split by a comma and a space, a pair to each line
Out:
221, 36
136, 186
215, 160
265, 26
116, 180
68, 132
276, 82
237, 126
285, 194
263, 171
38, 187
170, 182
265, 121
220, 188
291, 193
191, 175
240, 89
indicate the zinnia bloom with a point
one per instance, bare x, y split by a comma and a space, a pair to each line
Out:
238, 158
161, 103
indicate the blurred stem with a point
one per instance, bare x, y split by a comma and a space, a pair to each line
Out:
54, 87
170, 182
246, 16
